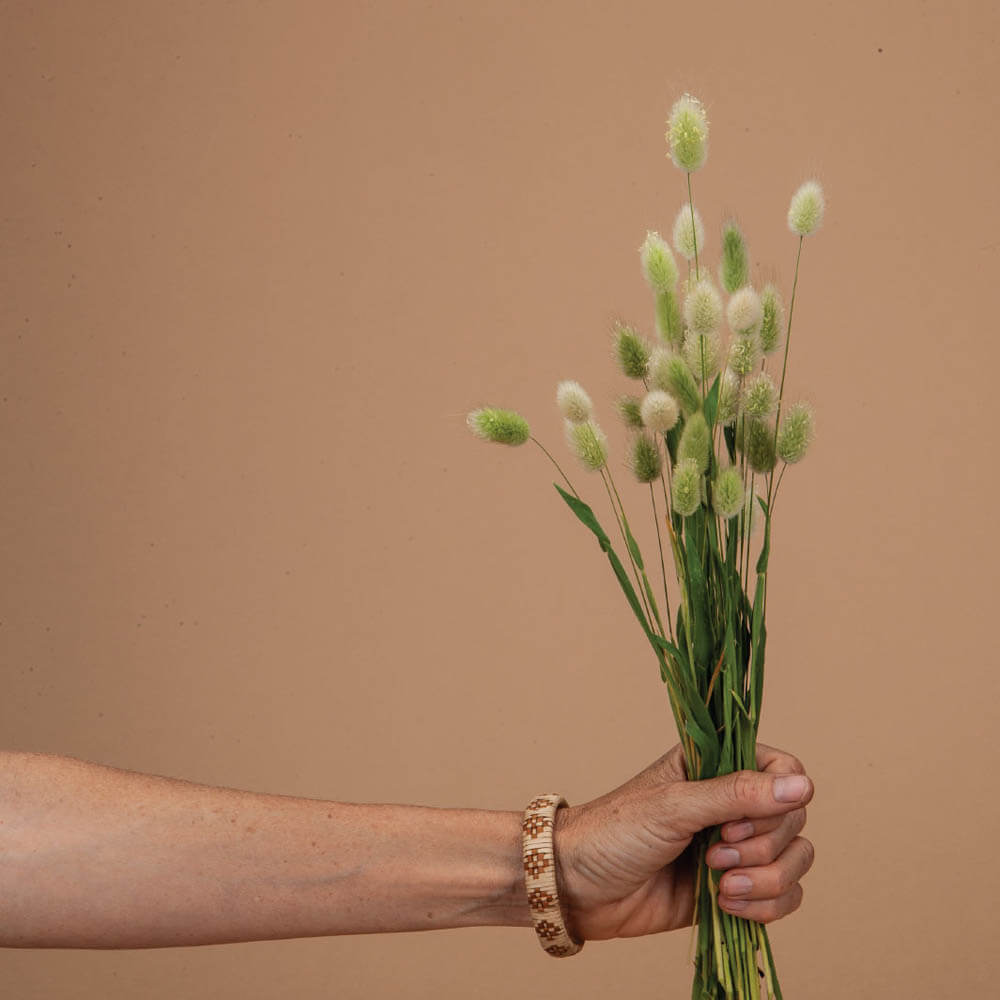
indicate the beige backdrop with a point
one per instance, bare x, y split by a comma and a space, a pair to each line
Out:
259, 261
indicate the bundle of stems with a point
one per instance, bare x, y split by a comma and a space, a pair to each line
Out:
713, 441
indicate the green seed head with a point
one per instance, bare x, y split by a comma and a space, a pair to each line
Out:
744, 310
696, 441
669, 372
573, 402
588, 443
734, 270
727, 493
658, 263
686, 487
760, 397
805, 214
645, 459
702, 353
669, 321
687, 133
632, 351
501, 426
703, 307
729, 398
628, 410
685, 237
743, 355
795, 433
758, 444
772, 319
659, 411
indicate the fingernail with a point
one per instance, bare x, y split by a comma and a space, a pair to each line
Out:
725, 857
739, 832
733, 904
790, 787
737, 885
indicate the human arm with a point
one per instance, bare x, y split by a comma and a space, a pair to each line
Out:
97, 857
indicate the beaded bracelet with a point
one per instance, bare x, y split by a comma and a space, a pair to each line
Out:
540, 876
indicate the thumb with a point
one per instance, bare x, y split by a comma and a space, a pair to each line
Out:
695, 805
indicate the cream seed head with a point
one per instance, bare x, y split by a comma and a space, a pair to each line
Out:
805, 213
687, 133
686, 487
696, 441
658, 264
760, 397
703, 307
686, 237
795, 433
727, 493
734, 270
628, 410
744, 310
743, 355
588, 442
573, 402
702, 353
499, 426
772, 318
631, 350
729, 398
645, 459
659, 411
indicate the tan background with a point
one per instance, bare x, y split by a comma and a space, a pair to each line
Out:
259, 261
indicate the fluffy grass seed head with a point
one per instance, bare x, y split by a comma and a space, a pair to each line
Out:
805, 213
669, 372
703, 307
658, 264
729, 398
743, 355
702, 353
573, 402
645, 460
669, 320
758, 444
744, 310
772, 318
500, 426
734, 270
727, 493
685, 236
631, 350
659, 411
588, 442
629, 410
687, 133
760, 397
696, 441
795, 433
686, 487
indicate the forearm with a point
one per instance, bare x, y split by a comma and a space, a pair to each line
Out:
95, 857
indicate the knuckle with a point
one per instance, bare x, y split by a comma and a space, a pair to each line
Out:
798, 820
745, 785
808, 851
795, 764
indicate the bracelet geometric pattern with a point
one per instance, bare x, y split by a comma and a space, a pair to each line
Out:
540, 876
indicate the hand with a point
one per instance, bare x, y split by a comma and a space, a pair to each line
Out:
625, 869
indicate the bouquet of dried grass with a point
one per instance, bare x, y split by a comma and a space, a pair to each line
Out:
712, 434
